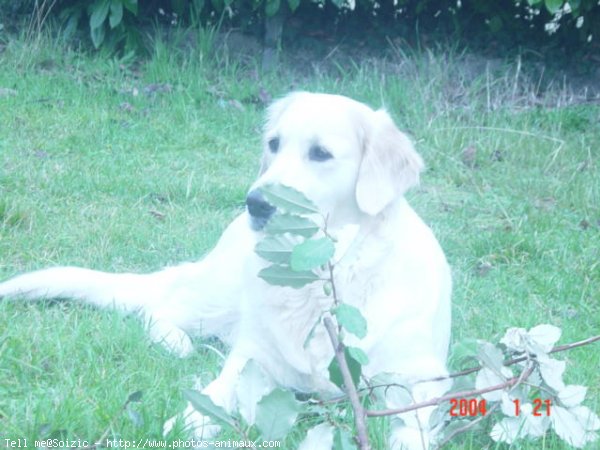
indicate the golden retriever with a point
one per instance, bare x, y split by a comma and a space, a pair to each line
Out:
355, 165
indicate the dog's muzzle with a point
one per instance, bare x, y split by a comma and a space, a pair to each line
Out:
259, 209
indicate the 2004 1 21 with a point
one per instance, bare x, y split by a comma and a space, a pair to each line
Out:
462, 407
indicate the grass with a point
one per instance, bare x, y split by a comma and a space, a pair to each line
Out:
127, 166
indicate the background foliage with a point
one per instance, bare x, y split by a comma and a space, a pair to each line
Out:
120, 24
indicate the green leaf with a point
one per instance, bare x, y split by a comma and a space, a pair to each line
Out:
253, 385
585, 416
320, 436
545, 336
276, 249
290, 223
495, 24
464, 351
568, 427
342, 440
486, 378
276, 414
351, 319
97, 35
311, 254
278, 275
99, 13
205, 405
198, 6
358, 355
394, 389
553, 5
178, 7
490, 356
218, 5
507, 430
72, 23
293, 4
116, 13
135, 397
135, 417
552, 371
288, 199
131, 6
271, 7
572, 395
335, 373
311, 333
453, 426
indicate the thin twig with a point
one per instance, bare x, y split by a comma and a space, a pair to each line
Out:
359, 411
466, 427
522, 377
510, 362
333, 289
438, 400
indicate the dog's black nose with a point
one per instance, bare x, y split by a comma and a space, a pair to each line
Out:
260, 210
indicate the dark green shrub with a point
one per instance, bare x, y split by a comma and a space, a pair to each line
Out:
117, 23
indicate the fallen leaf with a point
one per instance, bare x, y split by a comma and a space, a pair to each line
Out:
157, 214
483, 267
546, 203
468, 155
236, 104
497, 155
264, 97
215, 91
47, 64
126, 106
159, 88
5, 92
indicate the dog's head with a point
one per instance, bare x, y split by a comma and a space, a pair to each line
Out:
347, 158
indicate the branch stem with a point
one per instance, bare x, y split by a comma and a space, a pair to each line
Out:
359, 411
445, 398
510, 362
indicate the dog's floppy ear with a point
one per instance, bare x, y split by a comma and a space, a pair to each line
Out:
389, 167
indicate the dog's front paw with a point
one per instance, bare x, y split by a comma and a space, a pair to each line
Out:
200, 426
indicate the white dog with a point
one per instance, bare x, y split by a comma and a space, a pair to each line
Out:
355, 165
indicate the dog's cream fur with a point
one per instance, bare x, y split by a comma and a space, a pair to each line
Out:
387, 263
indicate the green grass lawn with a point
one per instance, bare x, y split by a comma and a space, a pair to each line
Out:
129, 167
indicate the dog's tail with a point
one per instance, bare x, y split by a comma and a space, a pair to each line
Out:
123, 290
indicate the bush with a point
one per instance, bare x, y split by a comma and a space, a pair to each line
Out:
117, 24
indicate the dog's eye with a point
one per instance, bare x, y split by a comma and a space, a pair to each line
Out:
318, 153
274, 144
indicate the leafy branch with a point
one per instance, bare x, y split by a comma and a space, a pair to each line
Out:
304, 258
518, 372
511, 382
510, 362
